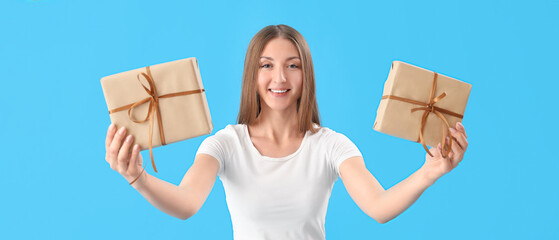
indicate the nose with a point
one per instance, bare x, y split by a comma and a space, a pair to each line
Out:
279, 76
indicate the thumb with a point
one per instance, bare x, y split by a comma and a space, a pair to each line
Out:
140, 160
136, 158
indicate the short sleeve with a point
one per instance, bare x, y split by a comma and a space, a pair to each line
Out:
215, 147
341, 148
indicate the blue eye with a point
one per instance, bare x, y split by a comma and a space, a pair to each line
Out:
294, 65
264, 66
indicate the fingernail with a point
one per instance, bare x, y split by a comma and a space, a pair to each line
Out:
452, 130
129, 138
112, 126
121, 130
460, 124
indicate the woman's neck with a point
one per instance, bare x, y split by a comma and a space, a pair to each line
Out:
278, 126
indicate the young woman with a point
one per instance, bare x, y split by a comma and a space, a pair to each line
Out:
278, 165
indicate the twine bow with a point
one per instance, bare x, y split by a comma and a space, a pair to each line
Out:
153, 100
431, 108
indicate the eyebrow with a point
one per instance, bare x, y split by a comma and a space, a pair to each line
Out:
289, 58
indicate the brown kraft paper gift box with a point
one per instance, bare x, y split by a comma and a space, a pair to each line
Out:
159, 104
413, 97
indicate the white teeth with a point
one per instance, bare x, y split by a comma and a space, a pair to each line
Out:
278, 91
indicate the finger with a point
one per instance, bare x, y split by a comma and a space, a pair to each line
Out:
115, 146
461, 128
446, 149
134, 157
124, 155
455, 141
440, 151
460, 138
457, 153
110, 134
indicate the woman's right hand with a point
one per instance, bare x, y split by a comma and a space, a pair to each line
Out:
126, 161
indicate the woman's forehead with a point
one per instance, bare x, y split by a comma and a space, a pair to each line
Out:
280, 48
272, 59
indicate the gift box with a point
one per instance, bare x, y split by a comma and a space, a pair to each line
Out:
420, 105
159, 104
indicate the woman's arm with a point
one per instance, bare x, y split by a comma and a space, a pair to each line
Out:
185, 200
181, 201
378, 203
384, 205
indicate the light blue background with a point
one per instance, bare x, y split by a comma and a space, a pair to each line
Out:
55, 183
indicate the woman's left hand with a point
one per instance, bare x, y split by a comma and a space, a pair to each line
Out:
437, 166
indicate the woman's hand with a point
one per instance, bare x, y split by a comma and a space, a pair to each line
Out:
122, 159
437, 166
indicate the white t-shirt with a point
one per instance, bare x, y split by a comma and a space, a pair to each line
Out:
278, 198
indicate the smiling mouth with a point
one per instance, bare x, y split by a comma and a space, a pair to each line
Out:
278, 90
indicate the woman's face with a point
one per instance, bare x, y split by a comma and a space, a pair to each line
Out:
280, 78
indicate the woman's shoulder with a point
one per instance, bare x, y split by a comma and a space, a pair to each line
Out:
327, 134
229, 132
322, 130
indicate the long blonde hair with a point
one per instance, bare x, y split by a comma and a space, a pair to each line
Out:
307, 108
